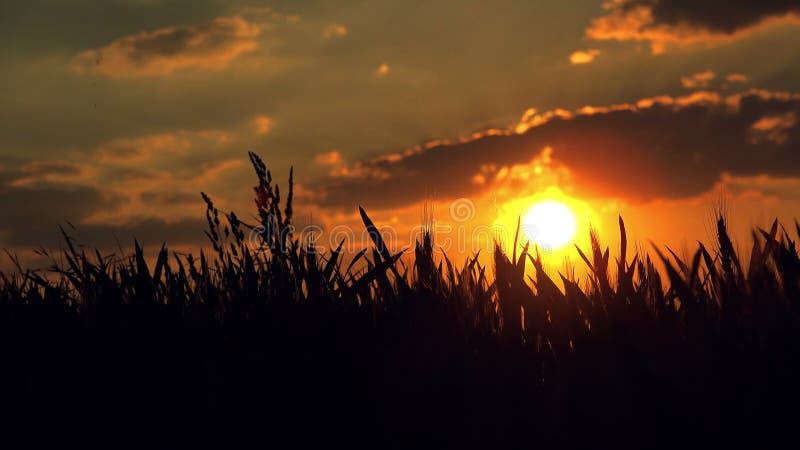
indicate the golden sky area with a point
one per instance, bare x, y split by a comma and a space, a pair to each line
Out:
652, 110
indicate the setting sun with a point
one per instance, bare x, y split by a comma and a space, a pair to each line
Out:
550, 224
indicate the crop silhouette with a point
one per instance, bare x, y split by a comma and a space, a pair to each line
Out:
249, 345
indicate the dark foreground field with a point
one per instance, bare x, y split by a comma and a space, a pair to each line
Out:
254, 349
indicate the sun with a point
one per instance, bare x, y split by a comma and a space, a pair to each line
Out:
550, 224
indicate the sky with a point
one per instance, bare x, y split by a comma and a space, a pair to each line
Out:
115, 115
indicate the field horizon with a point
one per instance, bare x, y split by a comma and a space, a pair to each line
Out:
689, 350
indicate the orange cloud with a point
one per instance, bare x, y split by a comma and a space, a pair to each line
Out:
335, 30
709, 80
142, 149
140, 191
211, 46
773, 128
698, 80
583, 56
330, 158
263, 124
666, 23
736, 78
214, 170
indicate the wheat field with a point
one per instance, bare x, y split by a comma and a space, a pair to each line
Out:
238, 345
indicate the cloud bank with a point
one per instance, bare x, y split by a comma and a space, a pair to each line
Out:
660, 147
675, 22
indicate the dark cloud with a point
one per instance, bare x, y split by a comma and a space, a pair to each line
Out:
716, 16
665, 147
663, 22
109, 239
32, 213
173, 198
151, 232
27, 207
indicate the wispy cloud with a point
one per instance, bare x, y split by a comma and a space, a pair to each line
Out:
263, 124
737, 78
698, 80
146, 149
335, 30
710, 80
330, 158
210, 46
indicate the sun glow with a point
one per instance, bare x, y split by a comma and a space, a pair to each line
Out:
551, 221
550, 224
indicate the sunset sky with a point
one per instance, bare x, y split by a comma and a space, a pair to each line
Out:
114, 115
